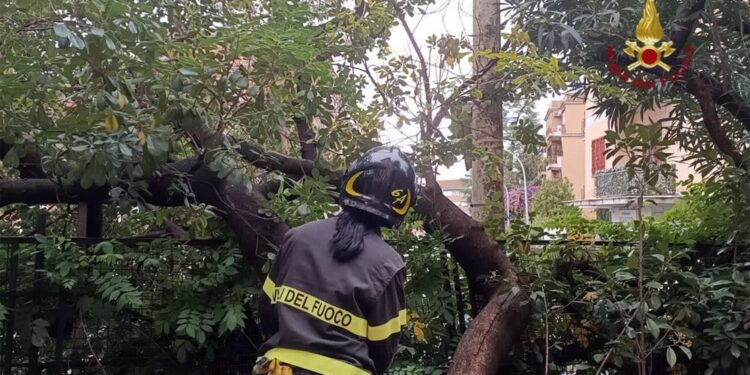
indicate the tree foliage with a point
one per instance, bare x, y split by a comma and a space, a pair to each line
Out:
550, 201
186, 119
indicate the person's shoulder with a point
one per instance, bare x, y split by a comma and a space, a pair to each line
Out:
314, 228
384, 263
385, 253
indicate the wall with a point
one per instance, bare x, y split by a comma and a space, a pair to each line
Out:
550, 118
596, 127
625, 215
572, 142
573, 117
572, 164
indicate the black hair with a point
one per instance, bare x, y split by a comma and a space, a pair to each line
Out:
352, 225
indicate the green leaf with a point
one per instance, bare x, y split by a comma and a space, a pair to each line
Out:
39, 332
76, 41
110, 44
573, 32
61, 30
156, 146
303, 210
253, 91
105, 247
111, 123
738, 276
125, 150
64, 269
200, 336
187, 72
735, 350
653, 328
687, 352
100, 175
632, 262
86, 180
181, 354
655, 301
671, 357
11, 159
97, 31
721, 283
243, 83
731, 326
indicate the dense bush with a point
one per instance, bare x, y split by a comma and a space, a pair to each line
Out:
690, 284
549, 202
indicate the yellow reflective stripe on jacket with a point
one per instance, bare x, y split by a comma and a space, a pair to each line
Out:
332, 314
314, 362
388, 328
268, 287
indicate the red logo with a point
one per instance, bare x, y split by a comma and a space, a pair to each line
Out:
648, 51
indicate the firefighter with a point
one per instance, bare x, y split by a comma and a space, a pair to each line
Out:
333, 302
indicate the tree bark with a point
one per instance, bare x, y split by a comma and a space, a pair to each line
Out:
697, 87
306, 137
492, 334
487, 342
487, 114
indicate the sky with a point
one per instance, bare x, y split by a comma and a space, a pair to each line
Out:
452, 17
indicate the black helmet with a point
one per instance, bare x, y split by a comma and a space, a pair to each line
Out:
381, 182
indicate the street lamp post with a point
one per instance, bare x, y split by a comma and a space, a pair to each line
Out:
525, 188
507, 208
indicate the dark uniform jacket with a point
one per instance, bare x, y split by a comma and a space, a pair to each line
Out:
331, 317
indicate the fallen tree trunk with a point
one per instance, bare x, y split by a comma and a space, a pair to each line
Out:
488, 341
490, 336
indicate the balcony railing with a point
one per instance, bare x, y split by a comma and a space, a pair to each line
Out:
614, 182
555, 132
554, 162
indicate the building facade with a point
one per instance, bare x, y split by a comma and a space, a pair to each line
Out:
459, 192
576, 150
565, 141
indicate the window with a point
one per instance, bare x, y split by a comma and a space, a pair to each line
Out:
597, 155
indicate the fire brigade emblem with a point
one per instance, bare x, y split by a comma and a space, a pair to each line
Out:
651, 49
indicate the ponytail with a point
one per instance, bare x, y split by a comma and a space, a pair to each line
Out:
351, 228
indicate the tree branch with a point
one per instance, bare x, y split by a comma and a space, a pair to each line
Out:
684, 25
42, 191
697, 86
29, 166
443, 111
306, 138
429, 128
726, 97
237, 205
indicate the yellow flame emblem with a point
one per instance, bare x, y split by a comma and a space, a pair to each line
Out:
349, 188
650, 33
401, 199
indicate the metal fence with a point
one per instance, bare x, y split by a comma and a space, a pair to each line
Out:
34, 305
30, 298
